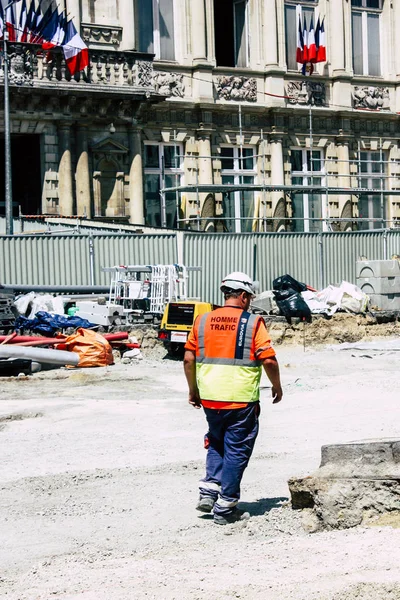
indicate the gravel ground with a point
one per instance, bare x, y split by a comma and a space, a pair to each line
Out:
99, 472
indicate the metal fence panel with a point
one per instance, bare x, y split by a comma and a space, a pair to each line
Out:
112, 250
342, 250
271, 254
393, 243
65, 259
32, 260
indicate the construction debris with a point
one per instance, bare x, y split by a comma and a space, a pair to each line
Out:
354, 484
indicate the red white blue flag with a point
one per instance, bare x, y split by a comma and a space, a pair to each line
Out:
10, 24
75, 50
320, 41
300, 40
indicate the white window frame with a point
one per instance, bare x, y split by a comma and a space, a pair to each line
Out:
307, 177
246, 32
237, 173
162, 171
364, 12
309, 4
366, 181
156, 29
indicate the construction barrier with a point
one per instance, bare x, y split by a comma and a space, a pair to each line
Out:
317, 259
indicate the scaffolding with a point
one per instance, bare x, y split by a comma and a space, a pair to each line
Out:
155, 284
383, 176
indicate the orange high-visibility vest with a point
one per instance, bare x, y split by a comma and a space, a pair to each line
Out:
227, 369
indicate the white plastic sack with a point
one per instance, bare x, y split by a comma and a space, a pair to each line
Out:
35, 303
354, 300
326, 301
23, 303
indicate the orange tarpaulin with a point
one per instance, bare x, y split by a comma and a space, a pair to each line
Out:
93, 348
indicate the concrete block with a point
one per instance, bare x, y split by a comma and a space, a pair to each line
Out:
377, 268
354, 484
379, 285
385, 301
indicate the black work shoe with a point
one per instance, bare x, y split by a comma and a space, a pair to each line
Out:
205, 504
233, 517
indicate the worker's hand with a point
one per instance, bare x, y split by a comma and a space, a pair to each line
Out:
194, 399
277, 394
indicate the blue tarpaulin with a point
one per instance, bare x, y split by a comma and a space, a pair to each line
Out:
47, 324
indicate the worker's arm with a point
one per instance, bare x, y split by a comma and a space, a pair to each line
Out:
271, 368
189, 365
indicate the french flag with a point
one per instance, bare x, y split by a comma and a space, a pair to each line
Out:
1, 22
22, 22
311, 47
300, 42
305, 41
320, 41
34, 22
10, 24
56, 33
75, 50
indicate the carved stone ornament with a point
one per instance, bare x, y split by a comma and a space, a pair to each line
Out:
237, 88
101, 34
374, 98
169, 84
144, 73
306, 92
20, 69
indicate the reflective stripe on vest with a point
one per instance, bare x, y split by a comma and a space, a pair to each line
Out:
229, 379
244, 338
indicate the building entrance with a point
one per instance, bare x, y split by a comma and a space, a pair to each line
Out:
26, 175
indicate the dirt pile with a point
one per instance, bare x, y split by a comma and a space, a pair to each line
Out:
342, 327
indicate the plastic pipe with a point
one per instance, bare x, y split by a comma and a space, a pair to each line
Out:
40, 355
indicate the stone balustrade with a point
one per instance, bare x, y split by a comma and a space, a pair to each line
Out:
108, 70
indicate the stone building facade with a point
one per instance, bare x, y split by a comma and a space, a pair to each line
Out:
199, 92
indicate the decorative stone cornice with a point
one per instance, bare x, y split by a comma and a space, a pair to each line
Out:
306, 93
370, 97
237, 88
101, 35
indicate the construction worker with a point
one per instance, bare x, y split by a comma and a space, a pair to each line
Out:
224, 356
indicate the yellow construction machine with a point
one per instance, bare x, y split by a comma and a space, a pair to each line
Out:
177, 321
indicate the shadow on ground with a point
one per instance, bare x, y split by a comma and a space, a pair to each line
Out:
263, 505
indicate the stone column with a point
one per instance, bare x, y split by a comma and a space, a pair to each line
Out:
198, 31
345, 209
341, 75
270, 34
65, 187
73, 8
136, 195
126, 20
337, 37
277, 171
204, 166
83, 196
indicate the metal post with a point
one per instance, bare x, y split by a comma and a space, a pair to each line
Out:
321, 261
163, 199
7, 137
385, 244
381, 171
91, 260
254, 262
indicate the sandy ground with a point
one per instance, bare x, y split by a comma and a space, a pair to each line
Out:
98, 482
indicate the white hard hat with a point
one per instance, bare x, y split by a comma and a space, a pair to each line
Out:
239, 281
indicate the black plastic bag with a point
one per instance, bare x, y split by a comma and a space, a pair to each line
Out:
293, 306
287, 282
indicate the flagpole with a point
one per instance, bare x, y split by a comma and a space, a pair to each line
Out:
7, 136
